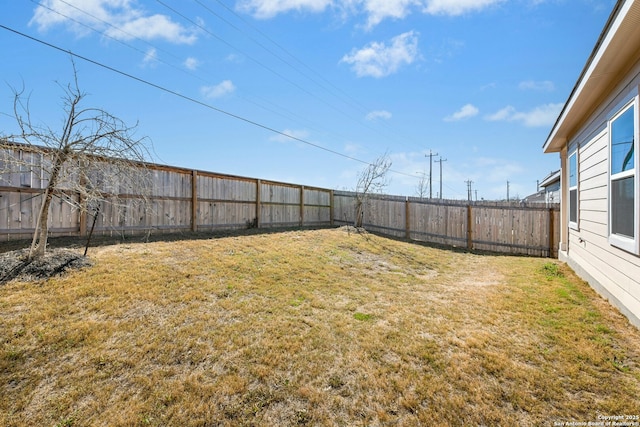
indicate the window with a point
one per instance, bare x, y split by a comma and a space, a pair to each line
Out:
623, 188
573, 190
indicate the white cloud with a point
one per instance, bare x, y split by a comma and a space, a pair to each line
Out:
457, 7
545, 85
120, 19
352, 148
543, 115
223, 88
150, 57
447, 49
380, 114
155, 27
234, 58
378, 59
265, 9
497, 169
191, 63
378, 10
505, 113
465, 112
375, 10
300, 134
488, 86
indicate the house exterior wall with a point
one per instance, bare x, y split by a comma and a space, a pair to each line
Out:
552, 193
613, 272
551, 187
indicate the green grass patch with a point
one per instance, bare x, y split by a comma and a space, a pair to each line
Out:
363, 317
552, 270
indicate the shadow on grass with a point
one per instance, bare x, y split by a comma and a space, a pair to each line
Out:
72, 242
14, 265
14, 272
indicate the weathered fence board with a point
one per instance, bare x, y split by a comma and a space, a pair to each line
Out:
184, 199
438, 223
178, 199
504, 228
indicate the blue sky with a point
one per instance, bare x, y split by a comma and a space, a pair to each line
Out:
479, 82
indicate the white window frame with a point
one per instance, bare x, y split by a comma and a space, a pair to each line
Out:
629, 244
574, 224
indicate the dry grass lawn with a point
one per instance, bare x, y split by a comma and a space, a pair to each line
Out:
322, 328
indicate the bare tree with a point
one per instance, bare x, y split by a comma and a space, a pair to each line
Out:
93, 157
372, 179
422, 187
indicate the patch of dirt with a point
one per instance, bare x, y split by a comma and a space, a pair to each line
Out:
351, 229
56, 262
483, 273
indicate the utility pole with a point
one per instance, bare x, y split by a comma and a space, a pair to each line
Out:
440, 161
430, 170
507, 191
469, 182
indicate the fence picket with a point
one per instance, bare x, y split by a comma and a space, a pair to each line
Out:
184, 199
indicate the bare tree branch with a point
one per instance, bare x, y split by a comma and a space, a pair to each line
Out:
422, 187
372, 179
92, 159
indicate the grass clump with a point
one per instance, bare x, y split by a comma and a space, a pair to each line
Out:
552, 270
363, 317
260, 330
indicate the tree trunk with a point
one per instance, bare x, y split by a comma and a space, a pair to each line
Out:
39, 242
359, 213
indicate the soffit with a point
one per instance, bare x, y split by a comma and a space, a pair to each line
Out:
618, 49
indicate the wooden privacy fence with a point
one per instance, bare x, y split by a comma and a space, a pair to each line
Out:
190, 200
178, 200
496, 227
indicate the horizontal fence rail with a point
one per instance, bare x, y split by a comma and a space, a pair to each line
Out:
178, 200
191, 200
492, 226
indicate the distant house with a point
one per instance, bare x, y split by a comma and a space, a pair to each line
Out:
548, 192
596, 135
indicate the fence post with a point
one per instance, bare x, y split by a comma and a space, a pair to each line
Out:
552, 234
83, 216
83, 219
331, 213
469, 228
301, 205
83, 209
407, 219
194, 200
258, 202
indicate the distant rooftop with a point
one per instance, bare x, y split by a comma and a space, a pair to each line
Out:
550, 179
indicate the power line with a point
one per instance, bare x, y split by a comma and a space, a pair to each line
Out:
133, 36
283, 49
329, 87
187, 98
104, 34
266, 67
291, 115
172, 92
171, 65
